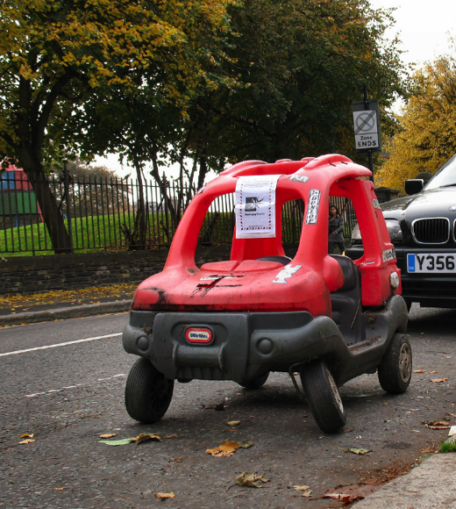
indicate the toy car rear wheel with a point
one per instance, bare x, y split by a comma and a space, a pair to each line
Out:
323, 396
256, 383
395, 370
148, 392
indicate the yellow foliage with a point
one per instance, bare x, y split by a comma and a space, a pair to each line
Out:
428, 135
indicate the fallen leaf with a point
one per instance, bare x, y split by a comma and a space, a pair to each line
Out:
437, 425
452, 415
177, 460
355, 450
218, 406
306, 489
172, 436
432, 372
61, 489
233, 423
26, 435
108, 435
123, 441
246, 445
144, 437
27, 441
439, 380
224, 450
419, 371
164, 496
347, 494
251, 480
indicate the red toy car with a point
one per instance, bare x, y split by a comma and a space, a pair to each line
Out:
324, 316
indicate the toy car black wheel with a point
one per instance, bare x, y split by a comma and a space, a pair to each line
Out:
256, 383
323, 396
395, 370
148, 392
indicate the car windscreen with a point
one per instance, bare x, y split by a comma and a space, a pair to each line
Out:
446, 176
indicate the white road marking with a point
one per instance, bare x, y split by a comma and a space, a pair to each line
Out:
51, 391
57, 345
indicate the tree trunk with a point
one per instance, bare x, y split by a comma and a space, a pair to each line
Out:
141, 213
52, 216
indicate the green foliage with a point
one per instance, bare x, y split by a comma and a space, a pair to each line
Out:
301, 65
447, 447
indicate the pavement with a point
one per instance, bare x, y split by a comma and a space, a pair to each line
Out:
429, 485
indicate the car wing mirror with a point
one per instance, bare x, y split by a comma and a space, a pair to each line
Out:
413, 186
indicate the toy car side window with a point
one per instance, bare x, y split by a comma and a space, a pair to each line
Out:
219, 222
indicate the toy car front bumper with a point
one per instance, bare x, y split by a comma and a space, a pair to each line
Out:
242, 347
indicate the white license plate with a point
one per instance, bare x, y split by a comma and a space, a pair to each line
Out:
431, 262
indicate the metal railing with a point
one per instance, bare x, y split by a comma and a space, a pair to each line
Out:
105, 215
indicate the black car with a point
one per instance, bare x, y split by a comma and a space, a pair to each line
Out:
422, 228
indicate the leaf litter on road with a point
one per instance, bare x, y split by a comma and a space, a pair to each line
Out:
224, 450
250, 480
348, 494
164, 496
142, 437
305, 489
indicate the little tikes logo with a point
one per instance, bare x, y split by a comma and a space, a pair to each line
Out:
198, 335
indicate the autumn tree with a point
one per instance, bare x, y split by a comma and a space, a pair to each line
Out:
428, 125
55, 53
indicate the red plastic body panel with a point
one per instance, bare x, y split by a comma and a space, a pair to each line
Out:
245, 284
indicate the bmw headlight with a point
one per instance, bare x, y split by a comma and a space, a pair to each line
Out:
394, 230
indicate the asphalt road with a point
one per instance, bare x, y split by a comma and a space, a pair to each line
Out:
66, 395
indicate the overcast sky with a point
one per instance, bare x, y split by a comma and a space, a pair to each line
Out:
423, 28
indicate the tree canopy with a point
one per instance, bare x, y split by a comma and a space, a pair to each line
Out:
55, 53
428, 125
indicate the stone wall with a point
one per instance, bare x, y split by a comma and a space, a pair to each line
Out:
37, 274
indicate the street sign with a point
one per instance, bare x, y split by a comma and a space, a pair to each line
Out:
366, 123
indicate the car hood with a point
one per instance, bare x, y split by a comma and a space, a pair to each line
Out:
432, 203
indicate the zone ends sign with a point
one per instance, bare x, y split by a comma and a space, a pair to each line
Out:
366, 123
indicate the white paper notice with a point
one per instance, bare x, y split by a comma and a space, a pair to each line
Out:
256, 206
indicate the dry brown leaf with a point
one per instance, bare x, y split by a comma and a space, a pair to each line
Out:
355, 450
26, 435
437, 425
61, 489
217, 406
419, 371
177, 460
27, 441
224, 450
172, 436
251, 480
144, 437
299, 487
439, 380
348, 494
108, 435
233, 423
432, 372
164, 496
